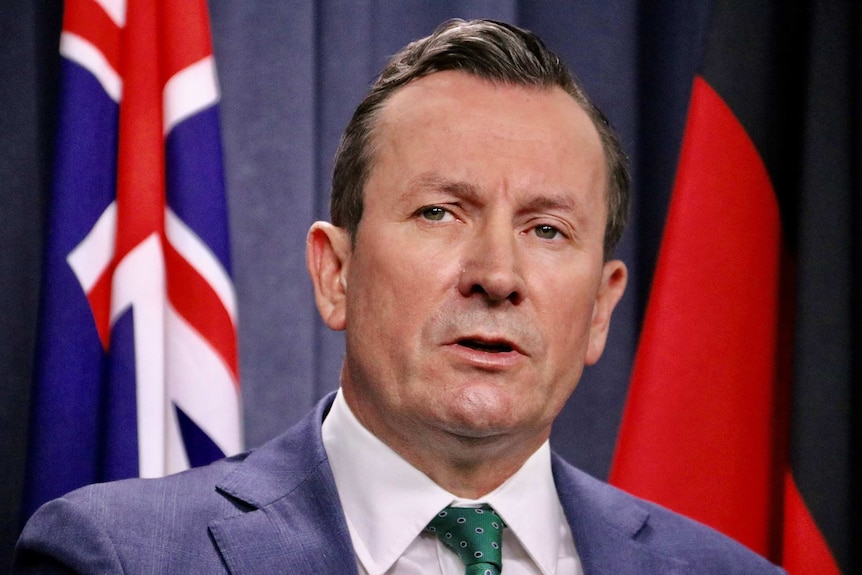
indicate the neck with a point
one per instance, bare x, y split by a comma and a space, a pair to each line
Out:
467, 466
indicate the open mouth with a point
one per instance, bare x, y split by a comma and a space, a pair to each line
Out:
486, 346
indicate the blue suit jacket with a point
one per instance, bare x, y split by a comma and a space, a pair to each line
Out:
276, 510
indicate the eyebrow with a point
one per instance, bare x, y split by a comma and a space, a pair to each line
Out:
469, 192
555, 202
433, 182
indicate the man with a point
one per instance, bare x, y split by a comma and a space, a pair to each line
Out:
477, 199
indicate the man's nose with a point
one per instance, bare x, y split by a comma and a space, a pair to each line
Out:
492, 265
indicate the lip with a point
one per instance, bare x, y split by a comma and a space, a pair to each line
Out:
487, 352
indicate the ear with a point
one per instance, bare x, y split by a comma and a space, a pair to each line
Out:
327, 255
614, 278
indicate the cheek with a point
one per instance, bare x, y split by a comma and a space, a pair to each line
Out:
566, 316
389, 292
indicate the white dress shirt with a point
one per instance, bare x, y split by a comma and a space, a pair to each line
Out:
388, 503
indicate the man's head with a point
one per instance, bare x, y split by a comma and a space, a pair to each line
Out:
473, 282
491, 50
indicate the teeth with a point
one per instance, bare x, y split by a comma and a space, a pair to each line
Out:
490, 347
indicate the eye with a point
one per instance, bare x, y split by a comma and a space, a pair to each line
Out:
547, 232
434, 213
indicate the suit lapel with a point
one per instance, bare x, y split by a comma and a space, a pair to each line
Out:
608, 526
289, 517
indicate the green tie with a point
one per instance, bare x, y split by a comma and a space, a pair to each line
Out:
475, 534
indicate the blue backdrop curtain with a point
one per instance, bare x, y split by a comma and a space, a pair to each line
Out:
291, 73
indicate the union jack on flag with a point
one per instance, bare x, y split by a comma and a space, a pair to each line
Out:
137, 360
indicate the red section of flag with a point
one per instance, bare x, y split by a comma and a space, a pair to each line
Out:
88, 20
185, 35
100, 302
198, 303
141, 161
697, 434
805, 550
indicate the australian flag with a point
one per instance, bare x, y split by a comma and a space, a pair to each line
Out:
137, 361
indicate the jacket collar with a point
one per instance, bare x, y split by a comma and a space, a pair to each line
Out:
290, 516
609, 526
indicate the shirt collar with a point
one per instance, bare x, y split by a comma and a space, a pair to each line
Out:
529, 505
388, 502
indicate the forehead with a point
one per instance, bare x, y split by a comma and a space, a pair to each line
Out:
456, 124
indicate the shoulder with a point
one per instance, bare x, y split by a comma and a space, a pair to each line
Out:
112, 527
164, 525
646, 527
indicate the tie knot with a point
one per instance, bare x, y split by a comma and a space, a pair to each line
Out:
475, 534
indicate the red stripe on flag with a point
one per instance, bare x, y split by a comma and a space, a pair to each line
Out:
197, 302
697, 433
185, 35
141, 166
88, 20
805, 550
99, 297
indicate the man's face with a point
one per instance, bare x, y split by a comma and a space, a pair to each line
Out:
476, 290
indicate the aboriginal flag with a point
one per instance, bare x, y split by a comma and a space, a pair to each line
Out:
745, 406
136, 371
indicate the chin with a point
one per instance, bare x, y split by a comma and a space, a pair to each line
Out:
480, 412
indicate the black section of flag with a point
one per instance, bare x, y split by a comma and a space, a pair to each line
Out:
791, 73
755, 59
826, 450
